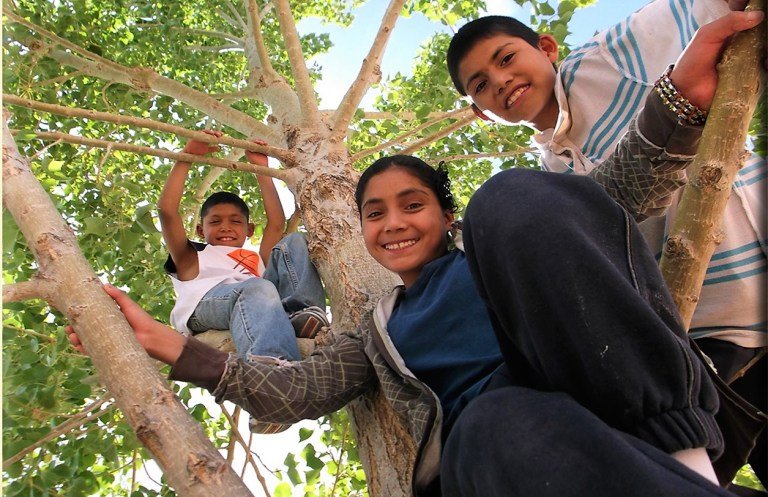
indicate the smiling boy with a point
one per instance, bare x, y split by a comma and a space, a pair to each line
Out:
224, 284
581, 110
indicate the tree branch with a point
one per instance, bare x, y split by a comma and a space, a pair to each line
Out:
307, 99
60, 41
148, 80
460, 123
459, 113
237, 15
247, 449
490, 155
160, 421
79, 419
281, 154
212, 33
281, 174
254, 18
216, 49
369, 70
36, 288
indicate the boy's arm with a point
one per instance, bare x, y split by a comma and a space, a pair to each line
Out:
649, 163
273, 230
172, 225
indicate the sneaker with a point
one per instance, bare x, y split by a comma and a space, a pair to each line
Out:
263, 428
308, 321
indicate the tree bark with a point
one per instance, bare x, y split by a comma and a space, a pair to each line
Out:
189, 461
696, 229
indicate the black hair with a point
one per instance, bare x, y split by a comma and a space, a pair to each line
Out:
436, 179
480, 29
224, 198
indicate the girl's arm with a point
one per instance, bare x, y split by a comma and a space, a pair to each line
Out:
273, 390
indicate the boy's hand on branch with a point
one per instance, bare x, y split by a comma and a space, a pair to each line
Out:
202, 148
257, 157
695, 72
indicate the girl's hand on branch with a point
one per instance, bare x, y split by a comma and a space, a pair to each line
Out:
202, 148
160, 341
695, 72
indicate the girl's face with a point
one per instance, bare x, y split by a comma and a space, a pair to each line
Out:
404, 226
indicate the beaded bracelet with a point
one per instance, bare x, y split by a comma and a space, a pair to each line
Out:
685, 110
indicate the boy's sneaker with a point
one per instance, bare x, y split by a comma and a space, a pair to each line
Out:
264, 428
308, 321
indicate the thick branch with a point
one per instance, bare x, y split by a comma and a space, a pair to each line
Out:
281, 154
402, 116
369, 71
459, 113
212, 33
148, 80
490, 155
189, 461
254, 18
460, 123
60, 41
79, 419
36, 288
304, 88
281, 174
696, 229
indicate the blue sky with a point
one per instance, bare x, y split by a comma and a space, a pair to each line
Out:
342, 63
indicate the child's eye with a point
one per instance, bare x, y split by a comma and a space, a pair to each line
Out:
414, 205
372, 214
480, 86
505, 60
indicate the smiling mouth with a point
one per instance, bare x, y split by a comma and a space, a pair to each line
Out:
226, 238
516, 95
399, 245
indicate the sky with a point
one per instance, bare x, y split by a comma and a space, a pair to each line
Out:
340, 66
342, 63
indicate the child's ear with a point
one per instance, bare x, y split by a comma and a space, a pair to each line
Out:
548, 44
480, 113
199, 231
450, 217
251, 229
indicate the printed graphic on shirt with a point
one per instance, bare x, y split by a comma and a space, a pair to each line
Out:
246, 261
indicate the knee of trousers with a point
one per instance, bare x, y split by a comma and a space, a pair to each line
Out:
292, 242
259, 290
544, 203
511, 424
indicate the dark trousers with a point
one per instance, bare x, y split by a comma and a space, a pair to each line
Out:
606, 383
746, 372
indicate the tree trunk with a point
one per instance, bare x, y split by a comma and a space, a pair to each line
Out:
192, 466
696, 229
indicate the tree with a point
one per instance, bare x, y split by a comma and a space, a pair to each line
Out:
241, 68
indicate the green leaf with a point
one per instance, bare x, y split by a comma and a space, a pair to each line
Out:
96, 226
24, 135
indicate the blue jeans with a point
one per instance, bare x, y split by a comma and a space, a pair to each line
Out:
256, 310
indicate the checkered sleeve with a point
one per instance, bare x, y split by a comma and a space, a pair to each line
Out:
648, 165
285, 392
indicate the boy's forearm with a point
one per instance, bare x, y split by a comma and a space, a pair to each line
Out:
273, 208
648, 165
170, 197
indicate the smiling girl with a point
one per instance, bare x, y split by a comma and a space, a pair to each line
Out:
600, 381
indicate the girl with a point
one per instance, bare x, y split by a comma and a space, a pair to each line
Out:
593, 377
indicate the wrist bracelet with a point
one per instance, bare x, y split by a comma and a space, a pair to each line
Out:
686, 112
